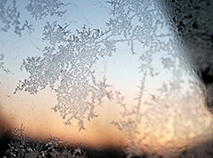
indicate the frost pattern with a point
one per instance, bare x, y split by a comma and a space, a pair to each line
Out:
130, 20
9, 16
70, 64
145, 30
20, 147
2, 64
192, 22
66, 66
129, 124
42, 8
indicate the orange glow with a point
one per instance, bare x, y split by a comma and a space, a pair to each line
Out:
35, 113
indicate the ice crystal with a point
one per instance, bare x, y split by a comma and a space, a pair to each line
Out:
130, 122
192, 22
156, 42
10, 16
21, 147
2, 64
54, 33
70, 63
43, 8
69, 57
66, 65
145, 31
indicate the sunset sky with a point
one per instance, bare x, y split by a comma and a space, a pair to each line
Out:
179, 121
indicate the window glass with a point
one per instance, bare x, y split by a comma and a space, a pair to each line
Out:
106, 78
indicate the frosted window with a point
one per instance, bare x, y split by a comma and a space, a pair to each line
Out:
106, 78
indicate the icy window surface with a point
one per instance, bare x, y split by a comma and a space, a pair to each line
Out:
70, 62
41, 8
2, 64
171, 41
10, 16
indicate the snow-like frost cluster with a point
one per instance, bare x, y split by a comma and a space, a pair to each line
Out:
2, 64
42, 8
145, 22
21, 147
69, 57
192, 22
10, 16
70, 63
67, 60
